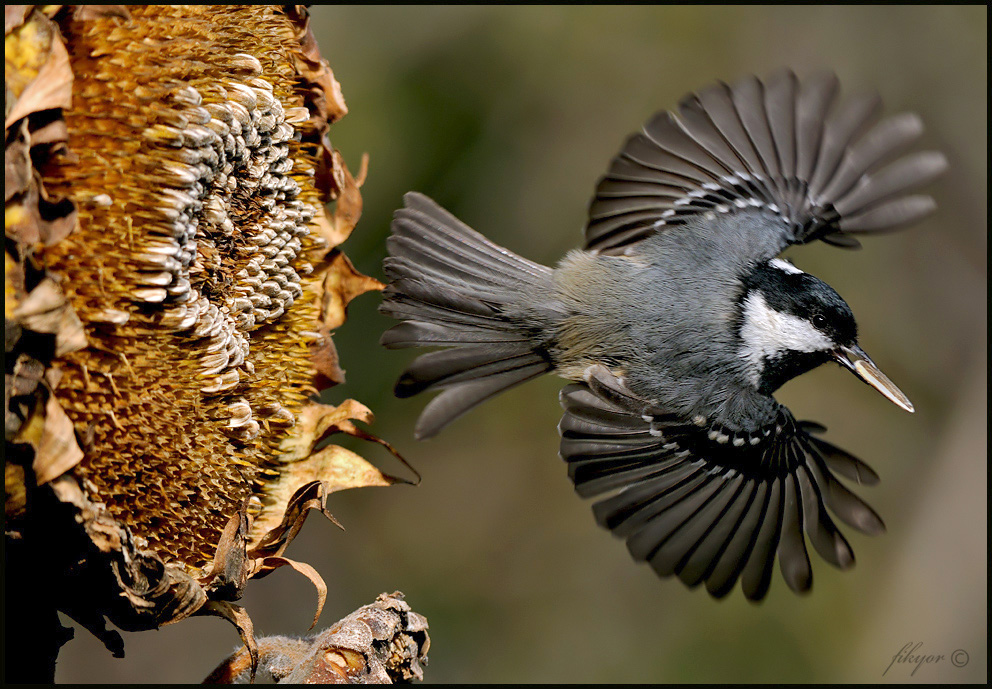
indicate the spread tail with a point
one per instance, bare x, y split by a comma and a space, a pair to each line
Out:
454, 288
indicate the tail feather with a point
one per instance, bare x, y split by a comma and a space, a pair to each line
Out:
441, 223
416, 334
452, 287
409, 299
431, 267
455, 401
461, 364
441, 296
427, 236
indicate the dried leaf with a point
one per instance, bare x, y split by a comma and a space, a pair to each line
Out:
90, 12
33, 218
49, 432
38, 43
334, 467
14, 490
14, 16
58, 450
28, 374
61, 226
53, 132
31, 215
17, 165
13, 287
342, 284
339, 469
337, 227
36, 309
157, 596
46, 310
237, 616
131, 586
269, 564
315, 69
315, 422
230, 570
324, 357
273, 542
21, 220
234, 563
323, 99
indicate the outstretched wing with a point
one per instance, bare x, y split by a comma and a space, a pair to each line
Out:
706, 505
773, 144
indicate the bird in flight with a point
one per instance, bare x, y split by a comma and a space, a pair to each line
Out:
678, 321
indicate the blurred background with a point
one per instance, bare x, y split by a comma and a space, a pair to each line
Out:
507, 116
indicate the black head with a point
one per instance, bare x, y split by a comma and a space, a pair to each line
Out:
791, 322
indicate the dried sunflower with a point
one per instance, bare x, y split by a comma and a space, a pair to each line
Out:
171, 282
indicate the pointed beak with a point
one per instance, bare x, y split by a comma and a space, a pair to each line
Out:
855, 359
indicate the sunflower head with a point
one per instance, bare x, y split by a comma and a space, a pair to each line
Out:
172, 280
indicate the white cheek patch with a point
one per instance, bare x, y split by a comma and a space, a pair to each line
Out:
766, 333
784, 266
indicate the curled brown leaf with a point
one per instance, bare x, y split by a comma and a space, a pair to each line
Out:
342, 284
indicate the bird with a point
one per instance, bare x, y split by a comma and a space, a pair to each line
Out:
678, 320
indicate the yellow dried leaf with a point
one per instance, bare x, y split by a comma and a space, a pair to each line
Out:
13, 285
338, 469
316, 421
37, 69
334, 467
342, 284
14, 491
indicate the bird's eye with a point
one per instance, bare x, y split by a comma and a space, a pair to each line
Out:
819, 320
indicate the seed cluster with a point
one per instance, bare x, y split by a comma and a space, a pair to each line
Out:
190, 268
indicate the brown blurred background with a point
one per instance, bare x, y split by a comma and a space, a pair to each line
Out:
507, 116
